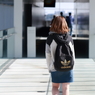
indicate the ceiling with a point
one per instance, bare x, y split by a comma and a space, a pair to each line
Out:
58, 0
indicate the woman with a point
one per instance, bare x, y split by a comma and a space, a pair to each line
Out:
58, 26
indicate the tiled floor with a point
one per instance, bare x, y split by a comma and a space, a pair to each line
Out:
31, 77
25, 77
84, 78
2, 61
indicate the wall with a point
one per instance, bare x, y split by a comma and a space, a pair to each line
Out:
6, 16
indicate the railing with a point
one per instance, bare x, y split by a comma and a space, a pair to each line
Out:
7, 43
5, 34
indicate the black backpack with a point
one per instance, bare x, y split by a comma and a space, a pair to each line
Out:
63, 57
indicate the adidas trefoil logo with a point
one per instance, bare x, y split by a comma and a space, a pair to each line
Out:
65, 62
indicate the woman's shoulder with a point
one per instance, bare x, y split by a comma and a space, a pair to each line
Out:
70, 39
49, 39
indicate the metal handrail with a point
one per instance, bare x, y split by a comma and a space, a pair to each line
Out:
7, 36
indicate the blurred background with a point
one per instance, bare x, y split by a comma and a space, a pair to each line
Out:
39, 14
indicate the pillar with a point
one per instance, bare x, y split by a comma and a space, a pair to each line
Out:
92, 29
10, 44
18, 9
31, 41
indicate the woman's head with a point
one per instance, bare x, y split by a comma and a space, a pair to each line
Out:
59, 25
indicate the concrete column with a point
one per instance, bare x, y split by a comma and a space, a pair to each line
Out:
92, 29
31, 42
10, 44
1, 44
18, 9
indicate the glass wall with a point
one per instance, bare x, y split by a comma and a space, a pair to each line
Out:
80, 16
60, 7
7, 43
81, 19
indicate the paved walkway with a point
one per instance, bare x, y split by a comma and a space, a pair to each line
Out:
31, 77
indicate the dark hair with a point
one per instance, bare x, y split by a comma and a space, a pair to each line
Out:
59, 25
70, 13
